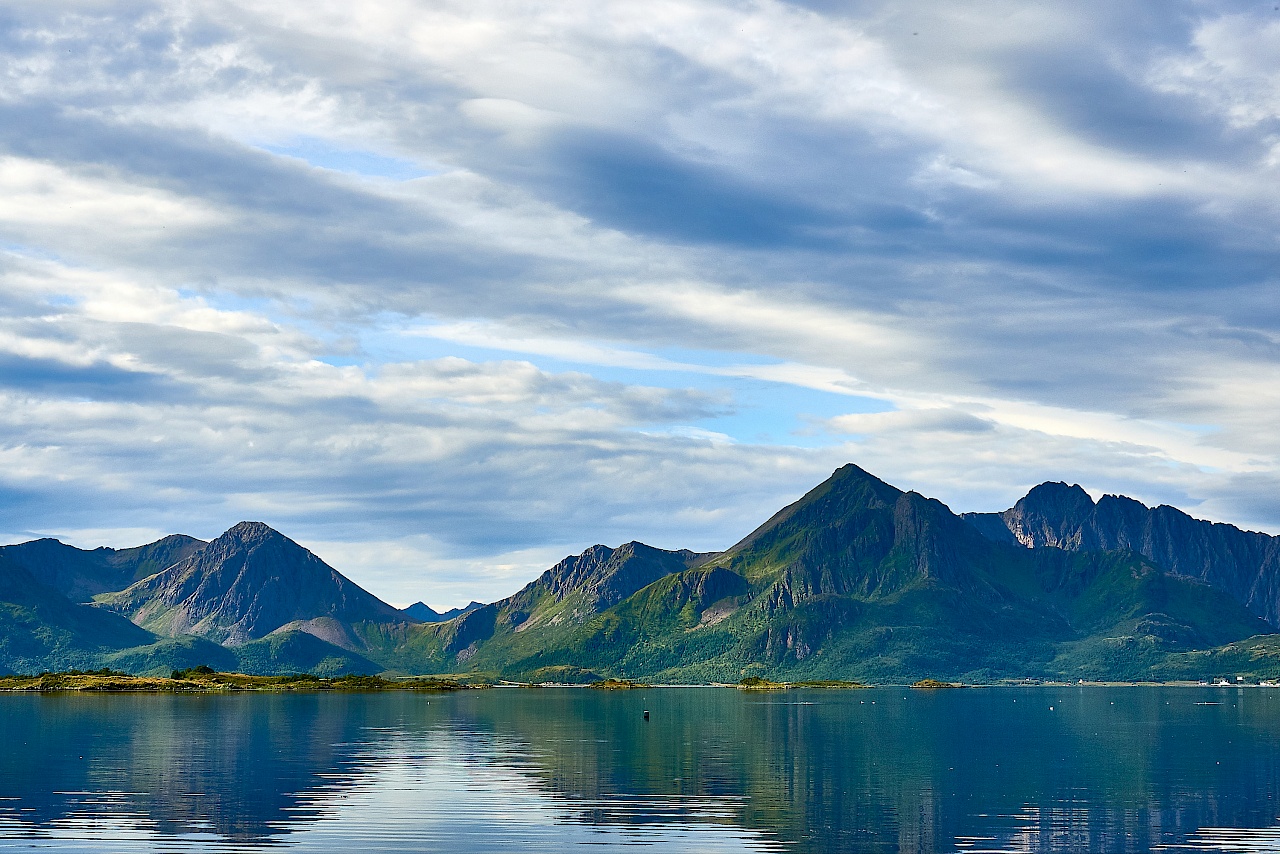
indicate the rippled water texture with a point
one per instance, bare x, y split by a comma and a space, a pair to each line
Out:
1027, 769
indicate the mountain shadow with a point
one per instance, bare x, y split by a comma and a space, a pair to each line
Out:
41, 629
80, 575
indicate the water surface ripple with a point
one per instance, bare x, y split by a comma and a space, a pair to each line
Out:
1086, 769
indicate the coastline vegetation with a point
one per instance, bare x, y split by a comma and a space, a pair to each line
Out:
758, 683
618, 684
204, 679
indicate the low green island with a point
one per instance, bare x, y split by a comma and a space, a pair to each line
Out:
757, 683
204, 679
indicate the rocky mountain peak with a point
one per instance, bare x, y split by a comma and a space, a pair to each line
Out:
1052, 514
250, 533
1057, 497
1243, 564
250, 581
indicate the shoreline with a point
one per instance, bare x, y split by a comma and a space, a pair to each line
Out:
224, 683
221, 683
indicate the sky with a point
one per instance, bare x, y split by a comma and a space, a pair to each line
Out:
445, 290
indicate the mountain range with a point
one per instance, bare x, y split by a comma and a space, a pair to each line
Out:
857, 580
424, 612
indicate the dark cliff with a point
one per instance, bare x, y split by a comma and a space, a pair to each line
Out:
1243, 564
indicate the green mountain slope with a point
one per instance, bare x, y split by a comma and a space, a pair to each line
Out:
552, 608
857, 580
1245, 564
282, 653
278, 654
40, 629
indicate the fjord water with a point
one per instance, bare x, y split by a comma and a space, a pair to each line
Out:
975, 769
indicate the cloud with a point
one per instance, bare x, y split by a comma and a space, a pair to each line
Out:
457, 280
917, 420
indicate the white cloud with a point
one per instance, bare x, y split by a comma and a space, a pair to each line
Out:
38, 197
1045, 234
1232, 67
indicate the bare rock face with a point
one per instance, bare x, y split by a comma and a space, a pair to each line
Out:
246, 584
1054, 514
1243, 564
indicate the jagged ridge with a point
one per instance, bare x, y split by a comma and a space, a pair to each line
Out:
1244, 564
857, 579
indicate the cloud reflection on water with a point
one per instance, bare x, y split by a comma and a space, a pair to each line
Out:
1038, 770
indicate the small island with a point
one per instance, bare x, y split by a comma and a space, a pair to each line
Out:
757, 683
206, 680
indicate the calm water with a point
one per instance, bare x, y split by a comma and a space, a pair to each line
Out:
1030, 769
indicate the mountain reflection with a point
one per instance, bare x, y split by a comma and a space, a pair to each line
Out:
1091, 769
234, 766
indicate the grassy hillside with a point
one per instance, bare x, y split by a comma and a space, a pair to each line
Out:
40, 629
857, 580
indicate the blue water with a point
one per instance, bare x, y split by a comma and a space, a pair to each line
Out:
533, 770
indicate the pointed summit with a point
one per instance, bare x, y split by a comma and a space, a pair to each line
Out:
854, 534
425, 613
849, 489
249, 582
251, 532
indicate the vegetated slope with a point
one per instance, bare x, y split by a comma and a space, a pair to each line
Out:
523, 626
280, 653
285, 652
80, 574
857, 579
1244, 564
40, 629
246, 584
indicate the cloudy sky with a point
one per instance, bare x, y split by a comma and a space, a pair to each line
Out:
446, 290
